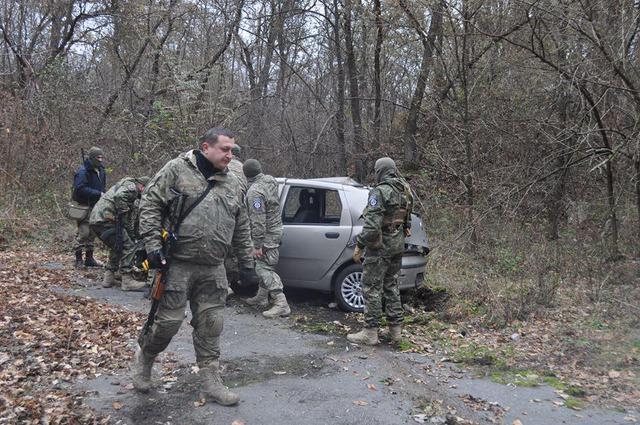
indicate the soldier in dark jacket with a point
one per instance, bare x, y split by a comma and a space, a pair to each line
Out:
387, 220
89, 183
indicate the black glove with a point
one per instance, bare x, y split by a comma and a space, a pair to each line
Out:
248, 277
156, 259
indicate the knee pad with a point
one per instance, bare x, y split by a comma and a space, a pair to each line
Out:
210, 324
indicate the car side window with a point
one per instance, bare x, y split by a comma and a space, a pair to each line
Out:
305, 205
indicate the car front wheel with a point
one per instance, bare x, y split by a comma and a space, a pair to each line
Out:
348, 289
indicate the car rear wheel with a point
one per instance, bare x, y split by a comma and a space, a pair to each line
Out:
348, 289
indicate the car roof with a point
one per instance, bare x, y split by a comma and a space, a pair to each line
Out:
326, 182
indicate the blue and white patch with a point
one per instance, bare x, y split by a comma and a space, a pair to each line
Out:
373, 200
257, 203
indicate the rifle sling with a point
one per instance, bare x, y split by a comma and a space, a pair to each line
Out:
185, 213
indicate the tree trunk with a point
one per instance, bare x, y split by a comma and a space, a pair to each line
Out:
358, 145
339, 93
377, 10
428, 43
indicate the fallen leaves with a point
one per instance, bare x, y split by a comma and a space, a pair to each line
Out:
50, 339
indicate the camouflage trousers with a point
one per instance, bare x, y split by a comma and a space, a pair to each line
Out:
205, 288
122, 262
84, 235
380, 282
266, 270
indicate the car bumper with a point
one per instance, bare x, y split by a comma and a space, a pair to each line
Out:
412, 271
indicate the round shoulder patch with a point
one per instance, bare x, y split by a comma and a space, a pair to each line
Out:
257, 203
373, 200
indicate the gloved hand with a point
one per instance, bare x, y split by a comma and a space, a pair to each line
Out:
156, 259
357, 255
407, 232
248, 276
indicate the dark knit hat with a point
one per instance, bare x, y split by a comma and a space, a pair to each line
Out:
95, 152
251, 168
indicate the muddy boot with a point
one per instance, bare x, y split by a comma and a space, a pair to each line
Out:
212, 387
89, 261
130, 284
109, 279
395, 333
78, 264
261, 299
367, 336
141, 371
280, 307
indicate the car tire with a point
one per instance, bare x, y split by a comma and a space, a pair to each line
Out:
347, 289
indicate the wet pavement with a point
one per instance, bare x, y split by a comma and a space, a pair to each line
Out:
286, 376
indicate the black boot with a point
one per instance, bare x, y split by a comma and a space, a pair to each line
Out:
89, 261
78, 264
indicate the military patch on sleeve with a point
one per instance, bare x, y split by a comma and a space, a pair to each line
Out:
257, 203
373, 200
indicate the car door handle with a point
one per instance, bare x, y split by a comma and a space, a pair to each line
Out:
332, 235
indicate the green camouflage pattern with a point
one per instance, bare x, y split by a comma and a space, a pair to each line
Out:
387, 214
215, 227
379, 235
204, 287
119, 200
380, 281
235, 166
263, 205
231, 262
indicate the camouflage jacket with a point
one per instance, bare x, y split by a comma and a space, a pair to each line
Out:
118, 201
235, 166
387, 213
215, 226
263, 205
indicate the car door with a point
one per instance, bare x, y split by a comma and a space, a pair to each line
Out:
316, 229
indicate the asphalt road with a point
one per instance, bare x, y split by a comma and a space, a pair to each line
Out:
285, 376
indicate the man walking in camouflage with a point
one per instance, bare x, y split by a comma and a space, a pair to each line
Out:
263, 205
213, 221
117, 212
387, 220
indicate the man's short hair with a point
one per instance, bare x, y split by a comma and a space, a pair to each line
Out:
211, 136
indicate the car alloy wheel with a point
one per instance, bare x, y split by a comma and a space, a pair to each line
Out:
348, 289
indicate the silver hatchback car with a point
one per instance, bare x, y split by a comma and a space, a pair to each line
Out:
321, 218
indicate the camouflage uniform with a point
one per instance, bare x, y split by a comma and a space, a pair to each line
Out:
231, 262
387, 214
263, 205
206, 237
120, 201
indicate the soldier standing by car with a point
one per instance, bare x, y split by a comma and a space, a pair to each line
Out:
387, 221
213, 220
89, 183
113, 219
263, 205
231, 262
